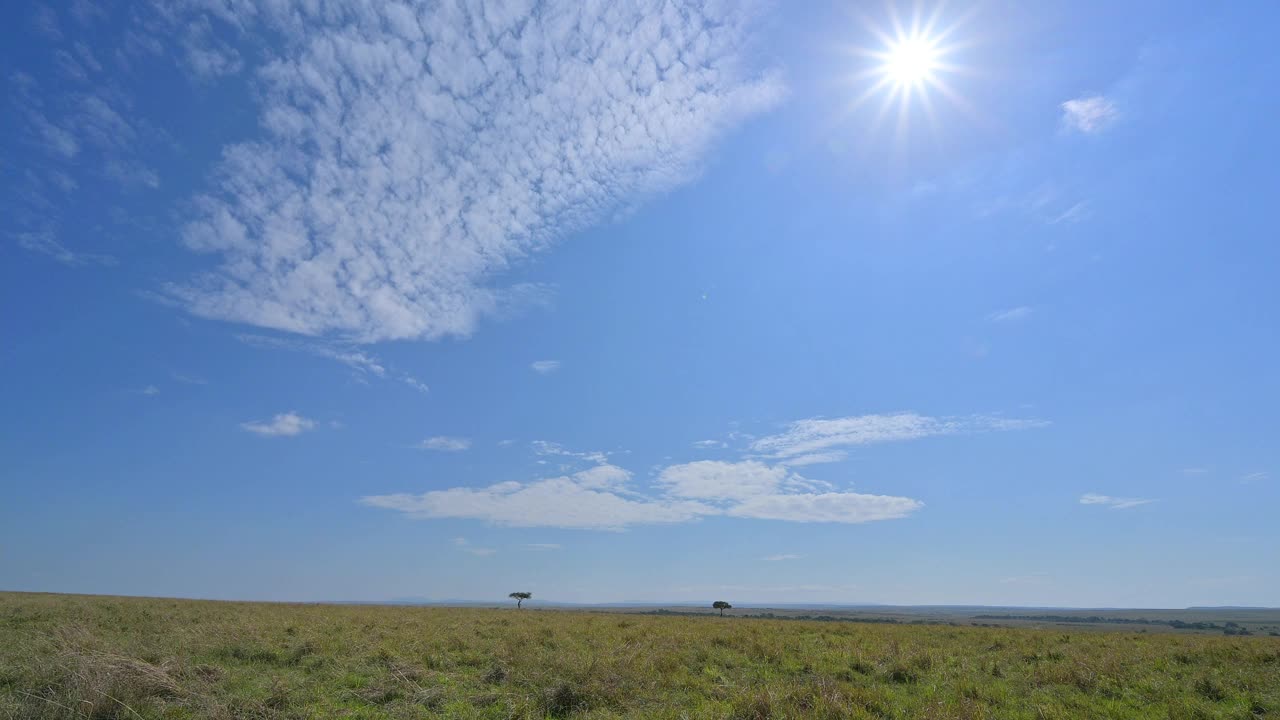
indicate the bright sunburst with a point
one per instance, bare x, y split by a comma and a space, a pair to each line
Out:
910, 68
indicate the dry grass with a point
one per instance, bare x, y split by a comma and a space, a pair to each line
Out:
93, 657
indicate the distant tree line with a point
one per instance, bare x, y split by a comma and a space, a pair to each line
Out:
1229, 628
811, 618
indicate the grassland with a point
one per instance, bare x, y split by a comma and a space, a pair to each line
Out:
98, 657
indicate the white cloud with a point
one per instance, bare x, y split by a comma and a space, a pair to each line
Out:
205, 54
45, 21
363, 363
443, 443
55, 139
1074, 214
542, 546
816, 458
569, 501
1114, 503
90, 135
715, 480
86, 11
1254, 477
545, 447
412, 155
353, 358
44, 242
282, 425
780, 557
601, 498
188, 379
825, 507
415, 383
482, 552
150, 390
818, 435
1021, 312
709, 444
1089, 114
545, 367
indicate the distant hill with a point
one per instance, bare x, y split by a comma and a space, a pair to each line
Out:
1231, 607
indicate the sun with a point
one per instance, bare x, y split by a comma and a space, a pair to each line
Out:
910, 67
911, 61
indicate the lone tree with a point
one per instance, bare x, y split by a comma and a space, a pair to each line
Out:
721, 606
520, 597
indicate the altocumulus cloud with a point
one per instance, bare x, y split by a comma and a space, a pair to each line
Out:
413, 153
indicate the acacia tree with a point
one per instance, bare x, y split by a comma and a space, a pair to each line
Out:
520, 597
721, 606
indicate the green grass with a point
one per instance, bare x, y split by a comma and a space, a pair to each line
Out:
100, 657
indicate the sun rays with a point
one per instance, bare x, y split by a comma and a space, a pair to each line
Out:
911, 65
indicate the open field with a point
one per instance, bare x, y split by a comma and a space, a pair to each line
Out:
100, 657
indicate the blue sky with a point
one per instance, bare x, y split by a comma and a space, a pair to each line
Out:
641, 302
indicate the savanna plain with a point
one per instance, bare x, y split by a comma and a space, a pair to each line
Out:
65, 656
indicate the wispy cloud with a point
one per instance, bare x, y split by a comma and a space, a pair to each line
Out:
364, 364
1022, 312
205, 54
188, 379
44, 243
816, 458
282, 425
1076, 213
444, 443
391, 189
415, 383
1255, 477
150, 390
546, 447
709, 444
545, 367
1089, 113
352, 357
69, 108
45, 21
819, 435
542, 546
780, 557
1114, 503
465, 545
